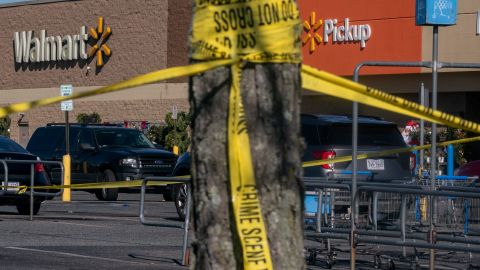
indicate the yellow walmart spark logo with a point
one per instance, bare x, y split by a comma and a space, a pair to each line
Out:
310, 27
100, 37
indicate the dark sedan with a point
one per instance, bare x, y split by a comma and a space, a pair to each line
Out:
19, 175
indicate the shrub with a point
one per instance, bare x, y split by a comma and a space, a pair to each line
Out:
172, 133
5, 126
92, 118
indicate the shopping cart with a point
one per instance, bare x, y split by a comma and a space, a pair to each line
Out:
330, 208
334, 203
451, 214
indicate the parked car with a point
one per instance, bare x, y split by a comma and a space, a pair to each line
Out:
179, 192
472, 168
18, 175
102, 153
330, 136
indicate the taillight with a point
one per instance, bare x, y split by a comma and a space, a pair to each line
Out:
39, 167
413, 161
322, 155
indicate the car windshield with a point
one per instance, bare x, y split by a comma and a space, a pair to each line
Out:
122, 138
368, 135
10, 146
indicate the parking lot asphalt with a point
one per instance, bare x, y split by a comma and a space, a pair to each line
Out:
91, 234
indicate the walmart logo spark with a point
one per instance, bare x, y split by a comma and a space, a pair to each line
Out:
100, 36
311, 27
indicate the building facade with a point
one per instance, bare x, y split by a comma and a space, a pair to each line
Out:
350, 32
148, 35
143, 38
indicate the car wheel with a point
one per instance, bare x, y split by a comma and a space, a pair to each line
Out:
23, 207
181, 200
107, 194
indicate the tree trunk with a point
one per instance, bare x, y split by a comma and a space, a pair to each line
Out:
271, 96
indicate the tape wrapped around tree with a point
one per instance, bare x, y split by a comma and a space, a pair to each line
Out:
247, 210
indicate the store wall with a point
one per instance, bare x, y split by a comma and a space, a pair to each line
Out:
179, 21
138, 41
147, 35
454, 103
457, 43
394, 36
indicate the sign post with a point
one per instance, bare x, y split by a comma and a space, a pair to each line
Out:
434, 13
66, 106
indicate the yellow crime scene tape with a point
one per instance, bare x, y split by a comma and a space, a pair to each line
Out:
314, 80
138, 183
258, 31
119, 184
148, 78
243, 187
326, 83
261, 31
386, 152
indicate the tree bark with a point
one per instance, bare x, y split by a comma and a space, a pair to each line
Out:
271, 95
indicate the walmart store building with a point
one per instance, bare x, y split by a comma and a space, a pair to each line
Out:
138, 36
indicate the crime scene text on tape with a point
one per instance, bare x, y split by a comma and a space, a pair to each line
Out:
263, 31
246, 203
258, 31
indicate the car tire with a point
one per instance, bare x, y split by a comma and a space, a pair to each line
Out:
107, 194
180, 192
23, 207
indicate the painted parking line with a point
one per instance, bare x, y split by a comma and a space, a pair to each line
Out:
78, 224
77, 255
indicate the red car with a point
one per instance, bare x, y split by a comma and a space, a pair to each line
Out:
470, 169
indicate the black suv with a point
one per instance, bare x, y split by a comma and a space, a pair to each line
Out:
329, 136
102, 153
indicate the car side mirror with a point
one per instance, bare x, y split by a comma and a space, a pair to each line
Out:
87, 147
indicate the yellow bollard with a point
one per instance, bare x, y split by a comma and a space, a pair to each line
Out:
66, 178
423, 209
175, 150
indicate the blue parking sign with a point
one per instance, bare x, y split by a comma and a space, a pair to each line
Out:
436, 12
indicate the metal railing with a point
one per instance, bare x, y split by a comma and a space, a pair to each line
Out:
401, 237
31, 192
185, 225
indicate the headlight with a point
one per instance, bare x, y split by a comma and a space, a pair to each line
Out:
129, 162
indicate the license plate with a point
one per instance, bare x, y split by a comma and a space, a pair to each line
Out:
375, 164
12, 186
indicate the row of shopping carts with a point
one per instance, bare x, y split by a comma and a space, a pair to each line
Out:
328, 210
